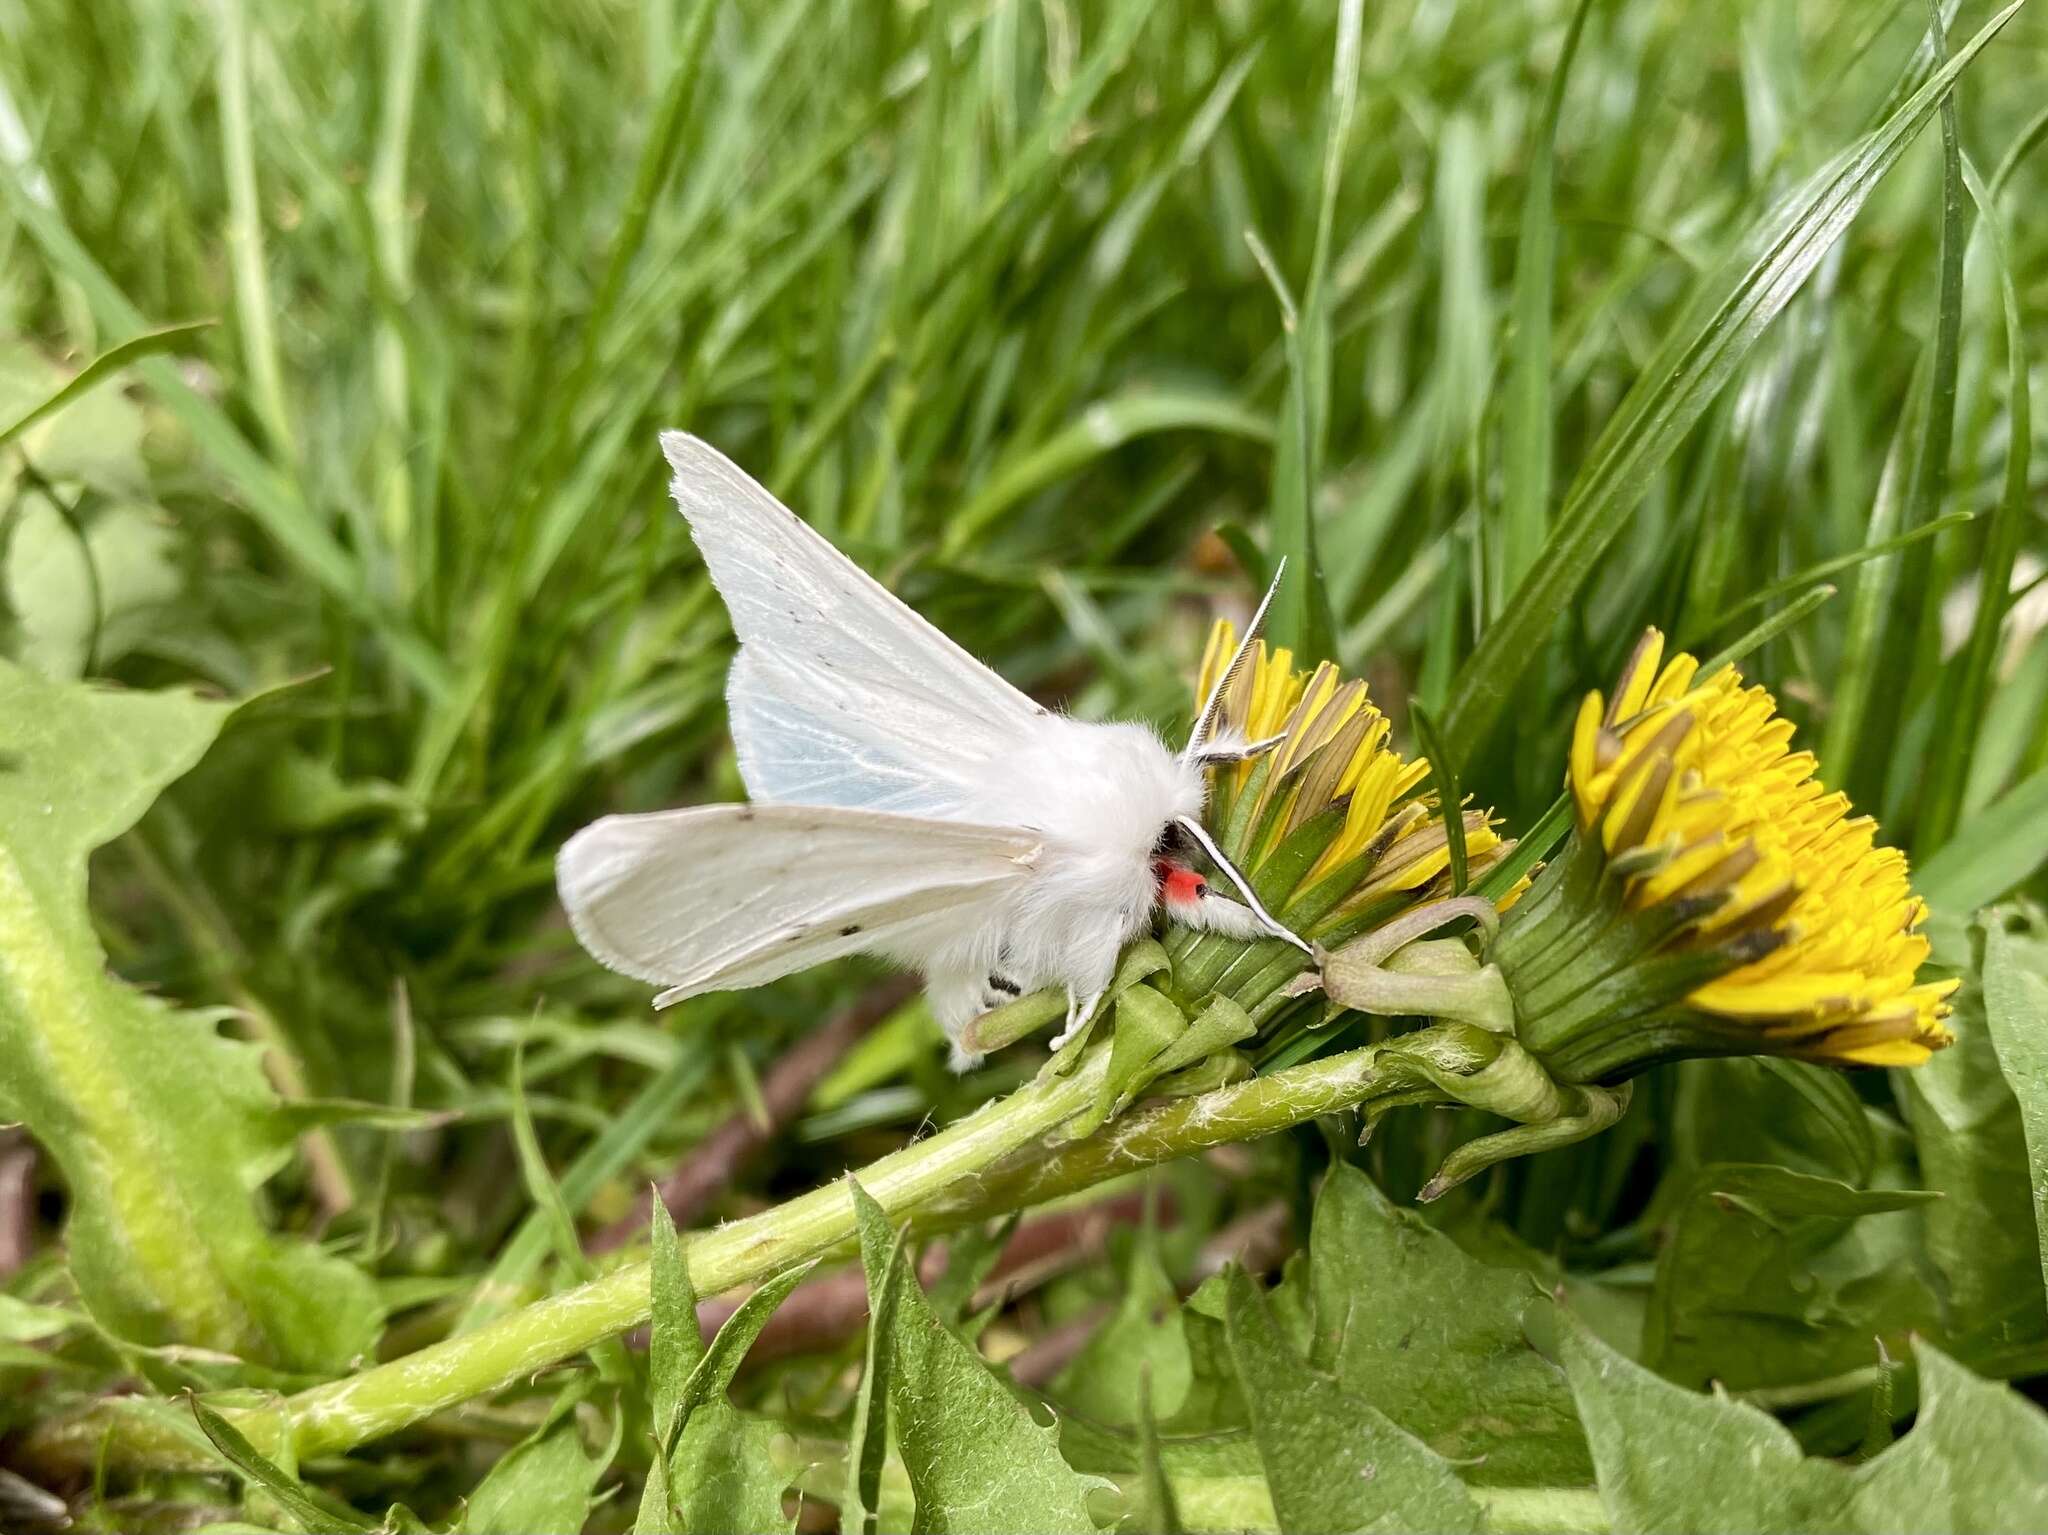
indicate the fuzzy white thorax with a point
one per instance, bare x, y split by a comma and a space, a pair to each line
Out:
1098, 796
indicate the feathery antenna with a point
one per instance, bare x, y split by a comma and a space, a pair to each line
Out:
1212, 706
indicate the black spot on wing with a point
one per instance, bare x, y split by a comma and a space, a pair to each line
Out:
849, 930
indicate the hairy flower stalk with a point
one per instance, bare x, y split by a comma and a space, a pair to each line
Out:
986, 1165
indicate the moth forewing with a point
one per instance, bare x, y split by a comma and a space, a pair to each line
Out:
726, 896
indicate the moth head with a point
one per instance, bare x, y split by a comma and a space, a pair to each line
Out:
1184, 891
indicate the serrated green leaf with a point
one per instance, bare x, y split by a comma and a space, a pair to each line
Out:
310, 1512
723, 1476
1977, 1458
1673, 1459
162, 1128
1333, 1461
1214, 1400
709, 1381
1154, 1509
674, 1345
715, 1467
1971, 1145
881, 1255
543, 1483
2015, 991
674, 1348
1771, 1276
977, 1461
1765, 1109
1435, 1339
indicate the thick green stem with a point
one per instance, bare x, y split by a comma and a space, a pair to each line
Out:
968, 1171
1167, 1131
379, 1401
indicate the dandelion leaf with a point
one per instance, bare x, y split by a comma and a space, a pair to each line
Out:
1144, 1340
1333, 1461
2015, 998
1669, 1458
542, 1483
162, 1128
1436, 1340
1977, 1458
976, 1458
1770, 1276
713, 1469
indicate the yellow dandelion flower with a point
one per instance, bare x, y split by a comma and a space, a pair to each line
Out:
1803, 935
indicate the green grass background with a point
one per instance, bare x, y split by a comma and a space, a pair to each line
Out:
1063, 318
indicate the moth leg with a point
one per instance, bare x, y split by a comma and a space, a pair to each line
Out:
1079, 1010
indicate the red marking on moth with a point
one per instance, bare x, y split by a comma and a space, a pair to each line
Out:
1178, 884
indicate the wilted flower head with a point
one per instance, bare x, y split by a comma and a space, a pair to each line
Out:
1715, 897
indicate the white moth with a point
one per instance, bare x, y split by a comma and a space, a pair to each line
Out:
907, 802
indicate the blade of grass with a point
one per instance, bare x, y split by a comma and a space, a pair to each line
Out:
1716, 331
168, 338
1998, 848
627, 1132
1526, 449
1894, 598
1822, 569
1301, 618
1102, 428
538, 480
1964, 697
385, 204
1785, 619
246, 258
1292, 516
